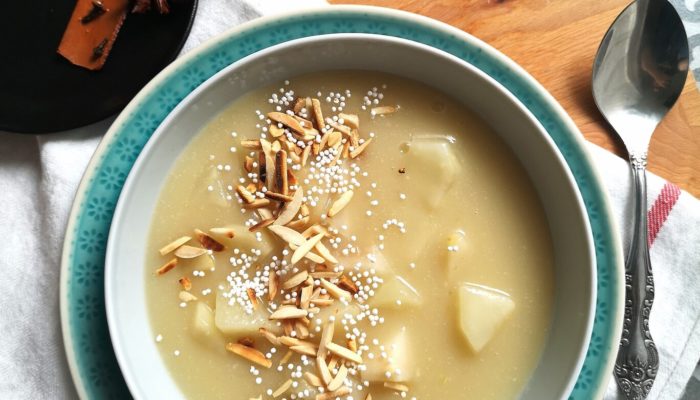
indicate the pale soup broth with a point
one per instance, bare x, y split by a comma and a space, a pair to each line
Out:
437, 272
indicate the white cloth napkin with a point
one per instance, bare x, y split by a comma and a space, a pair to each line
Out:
39, 176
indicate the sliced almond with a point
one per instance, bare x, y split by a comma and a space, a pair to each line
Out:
252, 296
275, 146
290, 209
352, 345
335, 291
382, 110
283, 388
305, 155
269, 162
339, 378
341, 128
273, 286
189, 252
339, 204
322, 302
292, 179
174, 245
167, 267
346, 150
344, 353
325, 253
292, 341
304, 210
303, 331
278, 196
262, 224
269, 336
286, 120
318, 113
286, 357
305, 350
359, 149
305, 247
258, 203
186, 296
334, 137
249, 354
399, 387
275, 131
185, 282
299, 224
287, 312
326, 337
252, 144
248, 164
313, 379
345, 283
323, 370
355, 138
295, 280
262, 168
288, 235
223, 232
333, 362
326, 274
343, 391
299, 105
305, 300
281, 172
207, 241
245, 194
351, 120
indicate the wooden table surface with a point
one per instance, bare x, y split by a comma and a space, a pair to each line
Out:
556, 41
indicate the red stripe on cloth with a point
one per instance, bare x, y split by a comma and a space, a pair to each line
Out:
659, 211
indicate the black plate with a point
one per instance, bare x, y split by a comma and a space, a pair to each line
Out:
42, 92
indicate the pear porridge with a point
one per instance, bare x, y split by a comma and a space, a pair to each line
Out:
349, 235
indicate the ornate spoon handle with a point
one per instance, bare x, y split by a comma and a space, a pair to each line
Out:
637, 360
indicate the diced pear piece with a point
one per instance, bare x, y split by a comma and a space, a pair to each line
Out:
432, 166
233, 320
396, 293
398, 363
482, 311
218, 193
204, 328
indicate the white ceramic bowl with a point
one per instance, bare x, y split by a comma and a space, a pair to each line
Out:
131, 333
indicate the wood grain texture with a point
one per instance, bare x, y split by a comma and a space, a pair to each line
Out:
556, 41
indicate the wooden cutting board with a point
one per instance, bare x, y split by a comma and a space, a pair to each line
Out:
556, 41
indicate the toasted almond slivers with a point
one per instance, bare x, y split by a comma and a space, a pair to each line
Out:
273, 285
305, 247
321, 303
207, 241
248, 164
382, 110
305, 350
323, 370
345, 283
174, 245
326, 274
275, 131
223, 232
269, 336
351, 120
281, 172
295, 280
313, 379
287, 120
339, 378
352, 345
292, 341
287, 234
299, 223
253, 144
304, 210
326, 337
283, 388
339, 204
275, 147
262, 168
399, 387
333, 362
245, 194
325, 253
344, 352
305, 155
249, 354
185, 282
189, 252
334, 137
318, 113
290, 209
306, 296
333, 395
278, 196
299, 104
252, 296
258, 203
288, 312
347, 131
286, 357
186, 296
262, 224
359, 149
335, 291
302, 330
167, 267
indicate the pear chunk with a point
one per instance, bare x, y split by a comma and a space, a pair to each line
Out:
203, 321
233, 320
432, 166
396, 293
482, 311
397, 366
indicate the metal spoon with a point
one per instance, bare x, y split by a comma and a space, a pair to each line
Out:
638, 74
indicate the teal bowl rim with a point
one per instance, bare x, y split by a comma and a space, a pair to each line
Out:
88, 348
